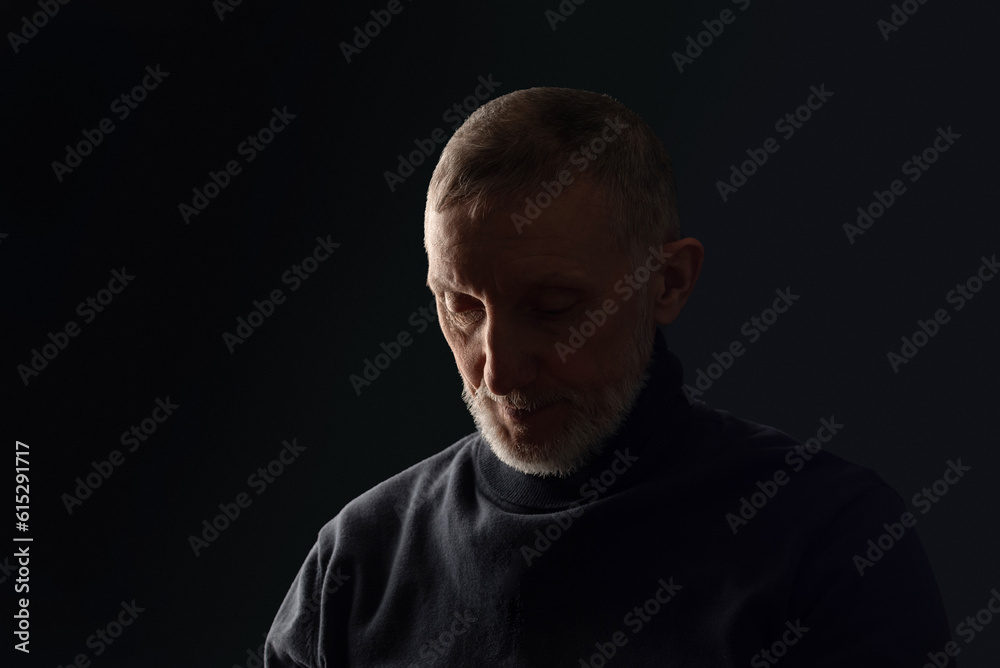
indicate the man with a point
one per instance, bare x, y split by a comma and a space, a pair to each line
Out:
596, 515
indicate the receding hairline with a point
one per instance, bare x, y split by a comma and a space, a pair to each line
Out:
461, 214
511, 146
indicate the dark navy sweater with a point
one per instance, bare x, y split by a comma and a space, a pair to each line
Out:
697, 539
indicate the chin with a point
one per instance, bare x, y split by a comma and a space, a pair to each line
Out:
561, 447
544, 445
551, 454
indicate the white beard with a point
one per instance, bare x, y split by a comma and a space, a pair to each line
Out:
590, 422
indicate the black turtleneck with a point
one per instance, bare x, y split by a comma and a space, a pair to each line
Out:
695, 539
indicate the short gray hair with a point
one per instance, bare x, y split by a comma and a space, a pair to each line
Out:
508, 147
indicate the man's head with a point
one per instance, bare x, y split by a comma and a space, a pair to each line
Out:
552, 211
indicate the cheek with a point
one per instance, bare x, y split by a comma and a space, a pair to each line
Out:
580, 369
601, 355
464, 350
466, 360
575, 373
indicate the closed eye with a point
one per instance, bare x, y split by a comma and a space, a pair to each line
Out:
467, 316
556, 312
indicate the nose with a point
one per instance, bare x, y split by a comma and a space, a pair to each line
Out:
508, 364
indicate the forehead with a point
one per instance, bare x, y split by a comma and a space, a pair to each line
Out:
570, 236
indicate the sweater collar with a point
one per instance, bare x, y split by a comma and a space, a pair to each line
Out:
660, 405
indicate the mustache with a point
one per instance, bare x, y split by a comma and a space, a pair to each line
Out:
521, 400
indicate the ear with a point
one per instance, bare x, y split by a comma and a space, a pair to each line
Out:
676, 278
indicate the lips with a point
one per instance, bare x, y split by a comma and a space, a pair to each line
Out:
522, 415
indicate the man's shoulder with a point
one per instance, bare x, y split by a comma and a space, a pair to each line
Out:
391, 502
752, 452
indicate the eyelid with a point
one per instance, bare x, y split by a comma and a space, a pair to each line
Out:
458, 302
464, 319
550, 300
557, 299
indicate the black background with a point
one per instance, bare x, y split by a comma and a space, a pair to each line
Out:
324, 176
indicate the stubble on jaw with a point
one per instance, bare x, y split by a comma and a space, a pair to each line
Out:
590, 422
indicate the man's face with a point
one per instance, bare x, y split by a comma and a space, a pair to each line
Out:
506, 298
